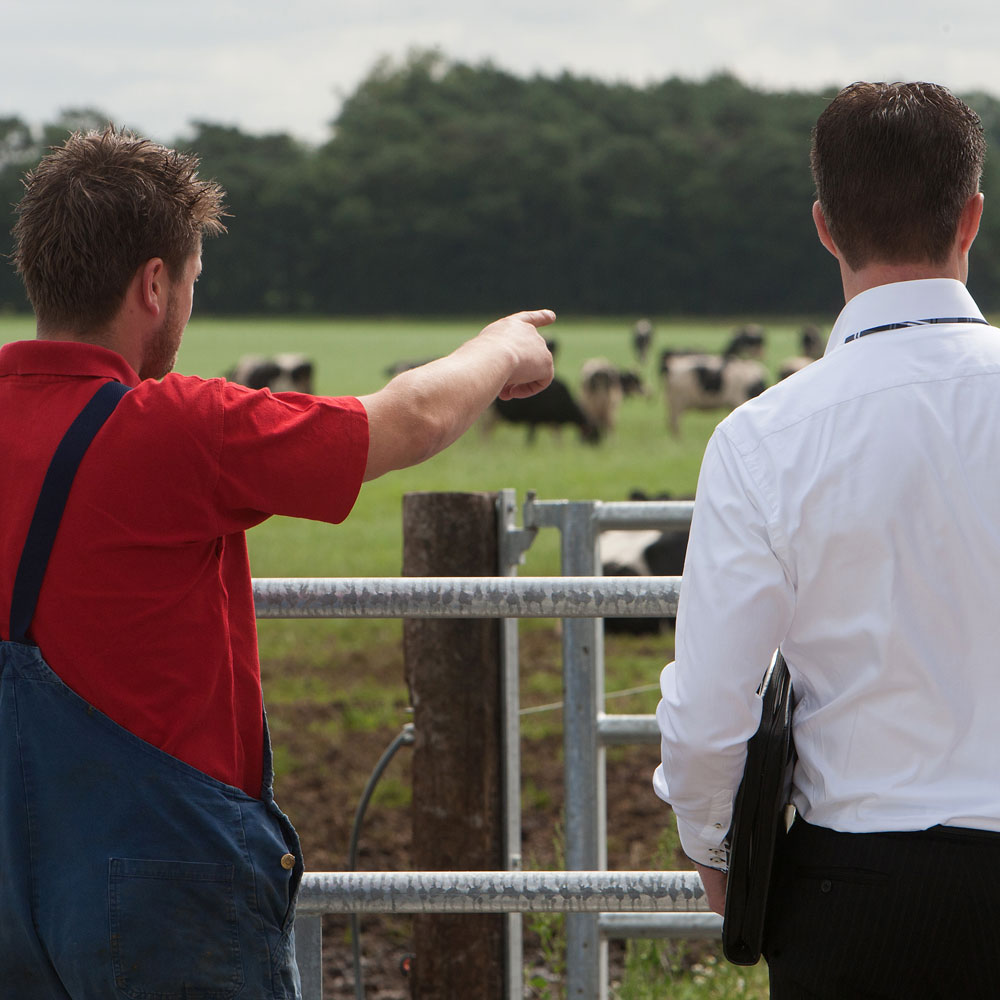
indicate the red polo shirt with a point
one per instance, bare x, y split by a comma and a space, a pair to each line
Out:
146, 610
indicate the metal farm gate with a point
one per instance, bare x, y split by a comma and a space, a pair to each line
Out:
599, 905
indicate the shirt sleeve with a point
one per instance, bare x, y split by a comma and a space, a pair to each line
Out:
735, 606
288, 453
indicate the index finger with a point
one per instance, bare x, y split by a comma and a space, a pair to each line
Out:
536, 317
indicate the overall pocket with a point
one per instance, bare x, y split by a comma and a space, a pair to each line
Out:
174, 930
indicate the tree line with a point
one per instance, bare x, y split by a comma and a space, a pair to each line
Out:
452, 188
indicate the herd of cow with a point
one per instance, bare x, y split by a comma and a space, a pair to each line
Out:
692, 380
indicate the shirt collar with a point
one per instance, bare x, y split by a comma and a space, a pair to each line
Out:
66, 358
927, 298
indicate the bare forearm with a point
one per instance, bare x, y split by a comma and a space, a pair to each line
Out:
422, 411
432, 406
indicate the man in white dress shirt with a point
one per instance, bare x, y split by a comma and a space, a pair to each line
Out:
851, 516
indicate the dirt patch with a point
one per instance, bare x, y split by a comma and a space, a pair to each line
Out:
328, 767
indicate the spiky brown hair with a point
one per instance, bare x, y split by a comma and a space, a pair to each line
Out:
95, 210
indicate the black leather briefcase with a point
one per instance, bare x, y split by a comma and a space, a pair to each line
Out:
759, 818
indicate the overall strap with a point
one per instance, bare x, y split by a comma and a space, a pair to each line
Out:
52, 502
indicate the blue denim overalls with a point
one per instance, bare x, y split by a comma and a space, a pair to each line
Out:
124, 872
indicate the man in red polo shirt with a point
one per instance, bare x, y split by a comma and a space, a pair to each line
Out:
141, 852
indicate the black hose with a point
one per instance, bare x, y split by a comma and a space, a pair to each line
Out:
405, 738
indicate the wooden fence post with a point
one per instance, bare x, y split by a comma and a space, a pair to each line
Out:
454, 674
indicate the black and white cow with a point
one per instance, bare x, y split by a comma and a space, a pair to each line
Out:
812, 349
642, 338
708, 382
601, 392
632, 383
553, 407
746, 342
279, 373
646, 552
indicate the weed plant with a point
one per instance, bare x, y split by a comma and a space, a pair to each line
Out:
684, 970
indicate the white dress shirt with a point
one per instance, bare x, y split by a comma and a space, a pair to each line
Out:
851, 515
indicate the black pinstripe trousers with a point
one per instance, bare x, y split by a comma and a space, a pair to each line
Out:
893, 916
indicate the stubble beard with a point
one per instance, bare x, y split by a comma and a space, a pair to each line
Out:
163, 355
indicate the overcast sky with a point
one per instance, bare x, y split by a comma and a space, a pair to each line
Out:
284, 65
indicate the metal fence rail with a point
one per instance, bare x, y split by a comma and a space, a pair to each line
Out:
610, 515
467, 597
625, 904
502, 892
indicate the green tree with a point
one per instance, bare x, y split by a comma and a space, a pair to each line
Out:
447, 187
18, 152
258, 267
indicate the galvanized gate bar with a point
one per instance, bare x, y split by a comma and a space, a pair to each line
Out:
612, 516
502, 892
626, 730
309, 954
587, 730
510, 555
467, 597
584, 754
689, 926
624, 515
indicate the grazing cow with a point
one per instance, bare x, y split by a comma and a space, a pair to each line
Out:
280, 373
601, 392
642, 338
812, 342
812, 349
632, 384
746, 342
708, 382
642, 553
553, 407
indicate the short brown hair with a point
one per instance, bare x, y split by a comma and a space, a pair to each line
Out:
894, 165
96, 209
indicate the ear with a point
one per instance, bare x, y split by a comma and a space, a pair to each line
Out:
968, 223
819, 219
152, 285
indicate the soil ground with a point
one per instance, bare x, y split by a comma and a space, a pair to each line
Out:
324, 782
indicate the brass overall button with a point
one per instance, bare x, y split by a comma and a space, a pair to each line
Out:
288, 861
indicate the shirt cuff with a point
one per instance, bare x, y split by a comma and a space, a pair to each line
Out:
707, 846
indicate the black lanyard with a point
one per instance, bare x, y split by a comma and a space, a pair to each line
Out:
914, 322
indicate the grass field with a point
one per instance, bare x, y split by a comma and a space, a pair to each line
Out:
350, 358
